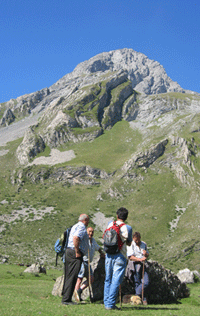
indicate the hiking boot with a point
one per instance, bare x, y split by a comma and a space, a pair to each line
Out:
77, 296
111, 308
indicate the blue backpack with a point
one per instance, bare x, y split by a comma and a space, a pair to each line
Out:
61, 245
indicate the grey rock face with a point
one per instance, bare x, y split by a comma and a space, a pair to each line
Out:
147, 76
35, 268
147, 158
30, 146
186, 276
67, 175
7, 118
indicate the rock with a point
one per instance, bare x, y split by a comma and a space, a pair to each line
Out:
8, 118
4, 258
35, 268
186, 276
58, 286
165, 286
145, 159
67, 175
31, 145
196, 274
147, 76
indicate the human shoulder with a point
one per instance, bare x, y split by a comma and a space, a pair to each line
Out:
143, 245
123, 229
79, 229
94, 243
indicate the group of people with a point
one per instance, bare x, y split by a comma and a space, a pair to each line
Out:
81, 248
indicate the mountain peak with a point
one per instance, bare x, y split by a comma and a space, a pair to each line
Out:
147, 76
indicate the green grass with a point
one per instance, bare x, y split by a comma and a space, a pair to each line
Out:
107, 152
24, 294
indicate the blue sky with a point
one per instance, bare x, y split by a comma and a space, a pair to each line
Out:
41, 41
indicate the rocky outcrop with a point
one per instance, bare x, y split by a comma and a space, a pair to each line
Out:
187, 276
8, 118
147, 158
24, 104
67, 175
35, 268
147, 76
31, 145
165, 286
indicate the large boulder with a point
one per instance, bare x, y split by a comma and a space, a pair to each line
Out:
165, 287
36, 268
187, 276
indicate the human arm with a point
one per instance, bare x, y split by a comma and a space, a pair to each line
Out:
145, 253
136, 259
130, 234
76, 241
102, 254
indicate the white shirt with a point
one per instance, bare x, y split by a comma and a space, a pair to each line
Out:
136, 251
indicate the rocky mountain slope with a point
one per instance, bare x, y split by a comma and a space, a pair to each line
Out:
130, 136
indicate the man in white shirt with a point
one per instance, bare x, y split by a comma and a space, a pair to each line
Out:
138, 253
115, 264
93, 246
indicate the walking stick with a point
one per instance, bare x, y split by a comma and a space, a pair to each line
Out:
120, 295
89, 276
143, 282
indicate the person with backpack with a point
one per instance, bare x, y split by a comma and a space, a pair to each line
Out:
84, 272
116, 237
77, 247
137, 254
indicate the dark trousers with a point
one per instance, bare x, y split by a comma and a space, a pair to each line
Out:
72, 268
138, 281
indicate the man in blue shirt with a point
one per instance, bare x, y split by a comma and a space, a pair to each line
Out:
77, 247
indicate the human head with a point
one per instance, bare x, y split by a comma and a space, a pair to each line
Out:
137, 238
84, 218
90, 232
122, 213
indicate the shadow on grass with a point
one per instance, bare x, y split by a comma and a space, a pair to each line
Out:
131, 308
124, 308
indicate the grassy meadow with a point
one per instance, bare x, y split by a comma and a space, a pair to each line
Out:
25, 294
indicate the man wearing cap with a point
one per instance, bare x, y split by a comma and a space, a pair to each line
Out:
77, 247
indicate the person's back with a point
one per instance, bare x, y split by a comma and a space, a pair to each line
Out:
115, 264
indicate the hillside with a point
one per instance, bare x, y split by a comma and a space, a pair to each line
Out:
117, 131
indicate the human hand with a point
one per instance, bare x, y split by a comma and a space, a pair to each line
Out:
142, 259
78, 254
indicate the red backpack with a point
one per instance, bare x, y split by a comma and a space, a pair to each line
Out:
112, 240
